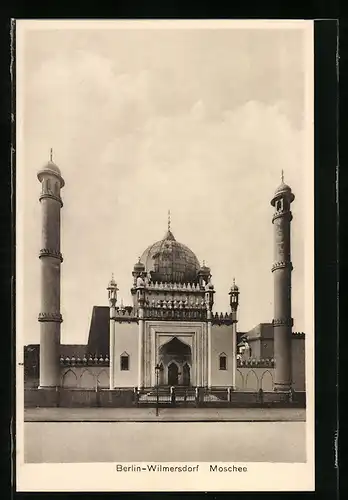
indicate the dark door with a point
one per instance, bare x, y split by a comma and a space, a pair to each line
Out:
173, 374
186, 374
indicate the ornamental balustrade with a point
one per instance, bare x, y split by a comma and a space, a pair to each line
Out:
180, 287
175, 314
255, 363
198, 304
88, 360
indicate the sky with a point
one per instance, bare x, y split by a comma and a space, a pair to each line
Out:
198, 121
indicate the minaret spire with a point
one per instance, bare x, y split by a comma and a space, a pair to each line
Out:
282, 177
169, 221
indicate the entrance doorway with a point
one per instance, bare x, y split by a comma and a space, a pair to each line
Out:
173, 374
186, 375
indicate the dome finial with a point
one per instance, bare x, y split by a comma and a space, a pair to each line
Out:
203, 262
282, 177
234, 281
51, 155
169, 220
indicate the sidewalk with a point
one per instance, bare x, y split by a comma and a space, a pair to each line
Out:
165, 415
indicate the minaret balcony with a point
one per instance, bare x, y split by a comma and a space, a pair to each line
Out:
48, 252
54, 317
283, 322
282, 265
52, 197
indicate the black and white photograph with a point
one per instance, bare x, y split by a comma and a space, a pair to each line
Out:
164, 262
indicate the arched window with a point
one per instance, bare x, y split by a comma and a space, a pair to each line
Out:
124, 361
223, 361
279, 205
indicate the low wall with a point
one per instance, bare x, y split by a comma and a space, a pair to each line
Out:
253, 379
75, 398
125, 398
82, 377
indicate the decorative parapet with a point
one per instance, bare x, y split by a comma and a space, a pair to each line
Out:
255, 363
298, 335
125, 314
90, 360
282, 265
54, 317
182, 314
170, 287
222, 319
198, 304
283, 322
47, 252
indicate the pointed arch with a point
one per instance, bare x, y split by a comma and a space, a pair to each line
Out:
186, 372
222, 361
251, 381
267, 381
239, 380
173, 373
103, 379
69, 378
87, 379
124, 361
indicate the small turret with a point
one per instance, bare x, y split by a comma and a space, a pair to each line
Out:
112, 292
138, 270
234, 299
204, 274
209, 294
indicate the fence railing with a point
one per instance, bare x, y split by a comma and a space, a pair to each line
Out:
198, 397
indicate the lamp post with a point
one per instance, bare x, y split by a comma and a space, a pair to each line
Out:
112, 295
158, 368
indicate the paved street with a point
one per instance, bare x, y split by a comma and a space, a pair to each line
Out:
177, 442
165, 414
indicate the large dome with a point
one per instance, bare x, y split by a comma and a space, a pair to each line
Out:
170, 261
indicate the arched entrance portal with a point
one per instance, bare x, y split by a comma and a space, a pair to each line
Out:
176, 359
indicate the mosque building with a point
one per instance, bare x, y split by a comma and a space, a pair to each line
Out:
170, 335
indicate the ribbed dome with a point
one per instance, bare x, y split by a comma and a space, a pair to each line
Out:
170, 261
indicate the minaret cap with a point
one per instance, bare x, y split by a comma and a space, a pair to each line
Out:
282, 190
112, 282
234, 287
51, 168
139, 266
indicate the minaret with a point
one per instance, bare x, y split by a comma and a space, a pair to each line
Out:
209, 301
112, 296
51, 259
140, 290
234, 302
282, 268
